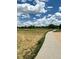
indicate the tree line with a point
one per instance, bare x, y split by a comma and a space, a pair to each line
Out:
49, 26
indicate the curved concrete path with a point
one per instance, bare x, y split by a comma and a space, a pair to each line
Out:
50, 49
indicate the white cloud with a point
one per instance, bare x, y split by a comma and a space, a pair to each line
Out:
49, 7
38, 15
18, 14
59, 8
34, 18
39, 7
44, 0
23, 0
49, 15
57, 13
26, 16
29, 0
40, 22
28, 23
19, 24
45, 21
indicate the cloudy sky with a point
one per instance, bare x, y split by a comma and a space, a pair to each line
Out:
38, 12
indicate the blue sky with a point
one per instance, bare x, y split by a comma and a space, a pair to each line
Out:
38, 12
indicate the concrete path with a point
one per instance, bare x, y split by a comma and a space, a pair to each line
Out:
50, 49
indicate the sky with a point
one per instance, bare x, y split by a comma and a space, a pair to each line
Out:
38, 12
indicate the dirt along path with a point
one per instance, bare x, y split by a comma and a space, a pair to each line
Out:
51, 48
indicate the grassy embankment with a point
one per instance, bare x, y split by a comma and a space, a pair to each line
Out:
29, 41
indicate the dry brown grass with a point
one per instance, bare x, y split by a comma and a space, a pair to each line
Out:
27, 42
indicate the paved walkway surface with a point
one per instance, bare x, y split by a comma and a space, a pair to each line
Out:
50, 49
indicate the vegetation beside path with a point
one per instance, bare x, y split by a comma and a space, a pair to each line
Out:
29, 42
30, 39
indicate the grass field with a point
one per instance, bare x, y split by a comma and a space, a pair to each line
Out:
29, 42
